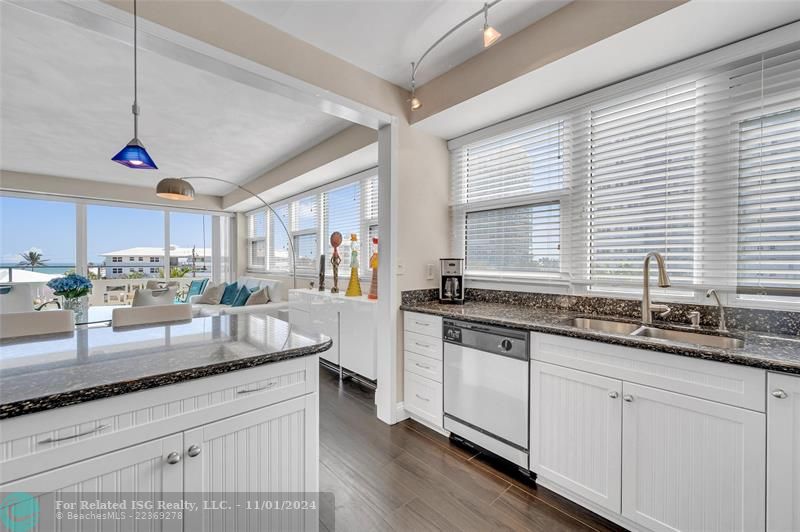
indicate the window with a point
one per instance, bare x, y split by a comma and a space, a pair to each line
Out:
349, 207
117, 232
522, 239
343, 214
190, 244
37, 236
141, 259
116, 270
153, 259
702, 166
642, 185
506, 198
153, 270
769, 205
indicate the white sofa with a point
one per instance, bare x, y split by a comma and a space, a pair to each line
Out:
273, 308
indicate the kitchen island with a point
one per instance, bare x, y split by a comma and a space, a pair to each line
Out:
222, 404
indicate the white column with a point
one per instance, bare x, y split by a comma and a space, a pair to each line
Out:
388, 295
166, 245
81, 247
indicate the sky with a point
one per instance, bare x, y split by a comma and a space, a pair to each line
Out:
50, 227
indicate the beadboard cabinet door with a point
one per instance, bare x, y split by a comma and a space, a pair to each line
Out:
783, 453
141, 472
689, 464
576, 432
255, 456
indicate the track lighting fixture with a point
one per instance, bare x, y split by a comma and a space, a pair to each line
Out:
490, 36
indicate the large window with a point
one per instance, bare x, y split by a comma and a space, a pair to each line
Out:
37, 238
349, 207
126, 232
507, 195
703, 167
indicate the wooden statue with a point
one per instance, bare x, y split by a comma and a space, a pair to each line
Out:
373, 263
336, 241
322, 273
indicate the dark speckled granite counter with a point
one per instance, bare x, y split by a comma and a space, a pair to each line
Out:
40, 373
770, 351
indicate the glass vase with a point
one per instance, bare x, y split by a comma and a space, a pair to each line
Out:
80, 306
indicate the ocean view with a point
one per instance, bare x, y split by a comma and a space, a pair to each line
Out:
52, 269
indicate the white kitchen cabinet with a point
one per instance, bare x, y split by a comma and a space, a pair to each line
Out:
139, 472
576, 432
422, 375
253, 456
690, 464
783, 452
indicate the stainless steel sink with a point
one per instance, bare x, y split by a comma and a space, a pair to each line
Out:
615, 327
724, 342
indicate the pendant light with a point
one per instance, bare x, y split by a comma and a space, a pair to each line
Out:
134, 155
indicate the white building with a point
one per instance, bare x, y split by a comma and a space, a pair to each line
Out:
149, 261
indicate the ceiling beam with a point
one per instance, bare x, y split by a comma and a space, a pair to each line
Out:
573, 27
329, 150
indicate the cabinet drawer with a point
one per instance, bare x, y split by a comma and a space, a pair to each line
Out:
423, 324
424, 366
717, 381
423, 345
50, 439
423, 398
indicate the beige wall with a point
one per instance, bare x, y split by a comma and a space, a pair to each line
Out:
97, 190
351, 139
565, 31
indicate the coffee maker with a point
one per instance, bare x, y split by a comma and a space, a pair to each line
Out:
451, 286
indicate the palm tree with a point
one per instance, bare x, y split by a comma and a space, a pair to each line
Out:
32, 259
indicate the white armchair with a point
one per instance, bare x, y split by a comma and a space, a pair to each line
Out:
148, 297
16, 324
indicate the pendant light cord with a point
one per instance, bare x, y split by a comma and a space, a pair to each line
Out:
135, 76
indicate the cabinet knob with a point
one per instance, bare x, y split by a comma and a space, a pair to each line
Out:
780, 394
173, 458
613, 395
193, 451
627, 398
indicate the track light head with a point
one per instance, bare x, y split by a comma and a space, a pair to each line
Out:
490, 35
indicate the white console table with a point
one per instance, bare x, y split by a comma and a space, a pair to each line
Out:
349, 321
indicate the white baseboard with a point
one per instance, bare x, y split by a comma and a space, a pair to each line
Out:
400, 412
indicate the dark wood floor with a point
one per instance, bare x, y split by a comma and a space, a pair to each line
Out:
407, 477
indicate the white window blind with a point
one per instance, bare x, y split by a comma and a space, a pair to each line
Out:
641, 186
521, 239
703, 166
350, 206
506, 219
343, 207
768, 112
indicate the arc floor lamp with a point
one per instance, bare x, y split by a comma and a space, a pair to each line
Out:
179, 189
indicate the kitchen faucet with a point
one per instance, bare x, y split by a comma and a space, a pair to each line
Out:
722, 326
663, 282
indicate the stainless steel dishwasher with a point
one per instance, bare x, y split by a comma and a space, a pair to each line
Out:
486, 387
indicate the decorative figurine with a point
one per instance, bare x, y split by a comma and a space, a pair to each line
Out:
336, 241
354, 286
373, 263
322, 273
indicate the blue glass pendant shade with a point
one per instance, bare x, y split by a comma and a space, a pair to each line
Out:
135, 156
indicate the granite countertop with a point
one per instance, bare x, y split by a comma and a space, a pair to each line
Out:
762, 350
45, 372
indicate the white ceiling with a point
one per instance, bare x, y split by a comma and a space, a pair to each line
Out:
687, 30
66, 100
384, 36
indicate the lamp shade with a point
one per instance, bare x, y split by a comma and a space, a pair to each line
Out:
133, 155
175, 189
